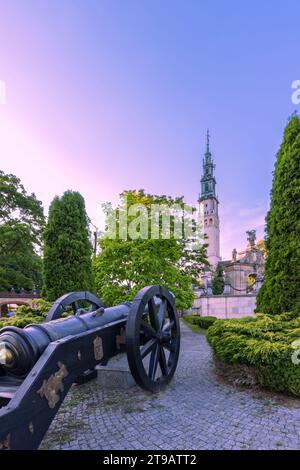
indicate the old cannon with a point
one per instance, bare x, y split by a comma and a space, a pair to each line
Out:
38, 364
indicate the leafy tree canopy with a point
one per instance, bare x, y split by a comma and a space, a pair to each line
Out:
18, 206
126, 264
21, 224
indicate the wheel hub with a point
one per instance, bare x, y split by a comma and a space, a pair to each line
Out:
166, 336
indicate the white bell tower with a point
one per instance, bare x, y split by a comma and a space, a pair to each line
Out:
208, 206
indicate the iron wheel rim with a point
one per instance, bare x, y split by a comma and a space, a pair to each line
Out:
153, 334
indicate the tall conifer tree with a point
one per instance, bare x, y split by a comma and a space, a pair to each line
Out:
218, 281
281, 289
67, 248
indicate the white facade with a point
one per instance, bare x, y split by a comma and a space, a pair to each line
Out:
211, 227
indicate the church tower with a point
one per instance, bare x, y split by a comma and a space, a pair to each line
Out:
208, 206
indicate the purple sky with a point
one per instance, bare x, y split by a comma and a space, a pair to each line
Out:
109, 95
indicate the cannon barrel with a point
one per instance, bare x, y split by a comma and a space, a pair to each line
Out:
39, 364
21, 348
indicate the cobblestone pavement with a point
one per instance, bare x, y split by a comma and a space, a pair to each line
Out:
196, 411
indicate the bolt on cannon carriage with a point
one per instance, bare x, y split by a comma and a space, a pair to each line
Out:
38, 364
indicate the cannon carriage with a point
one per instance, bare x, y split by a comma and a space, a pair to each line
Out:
39, 364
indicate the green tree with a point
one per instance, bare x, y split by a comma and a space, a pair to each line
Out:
21, 224
67, 248
280, 291
124, 266
218, 281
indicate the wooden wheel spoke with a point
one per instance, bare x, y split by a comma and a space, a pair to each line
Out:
75, 306
169, 346
148, 329
168, 326
153, 338
153, 362
162, 313
148, 347
82, 301
152, 314
163, 361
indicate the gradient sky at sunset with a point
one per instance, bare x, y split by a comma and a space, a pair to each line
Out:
109, 95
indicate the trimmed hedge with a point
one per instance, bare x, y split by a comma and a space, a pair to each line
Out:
20, 322
202, 322
263, 342
25, 315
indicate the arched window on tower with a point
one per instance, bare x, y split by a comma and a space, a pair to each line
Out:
210, 221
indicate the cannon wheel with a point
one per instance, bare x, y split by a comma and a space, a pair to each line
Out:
73, 299
153, 338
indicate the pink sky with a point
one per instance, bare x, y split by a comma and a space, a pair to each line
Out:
105, 96
45, 169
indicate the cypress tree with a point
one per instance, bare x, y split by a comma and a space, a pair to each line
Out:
218, 281
281, 289
67, 248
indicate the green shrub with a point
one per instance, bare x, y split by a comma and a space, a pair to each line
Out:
202, 322
20, 322
40, 309
263, 342
26, 315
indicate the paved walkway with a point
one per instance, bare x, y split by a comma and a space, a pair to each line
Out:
196, 411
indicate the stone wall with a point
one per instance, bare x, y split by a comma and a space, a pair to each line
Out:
225, 306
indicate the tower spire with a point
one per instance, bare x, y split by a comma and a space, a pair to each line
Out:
207, 141
208, 180
208, 202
